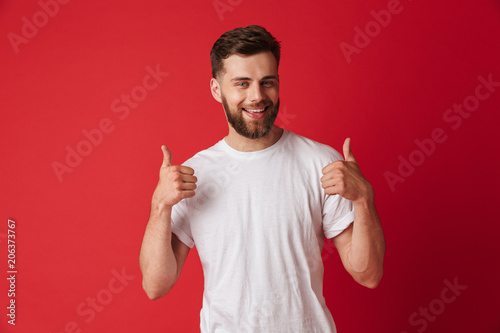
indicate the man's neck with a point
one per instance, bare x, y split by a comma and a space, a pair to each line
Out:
241, 143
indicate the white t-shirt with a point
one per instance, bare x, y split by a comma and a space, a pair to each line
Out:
258, 220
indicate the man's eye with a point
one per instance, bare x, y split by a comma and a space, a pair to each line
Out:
241, 84
268, 83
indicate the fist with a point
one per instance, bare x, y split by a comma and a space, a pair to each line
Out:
176, 182
345, 179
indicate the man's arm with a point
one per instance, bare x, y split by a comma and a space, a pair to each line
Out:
162, 254
362, 245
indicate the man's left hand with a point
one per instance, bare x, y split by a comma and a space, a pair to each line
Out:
345, 179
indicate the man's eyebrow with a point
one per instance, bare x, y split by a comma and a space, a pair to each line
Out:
267, 77
242, 78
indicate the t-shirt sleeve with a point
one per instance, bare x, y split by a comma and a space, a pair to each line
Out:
180, 223
338, 214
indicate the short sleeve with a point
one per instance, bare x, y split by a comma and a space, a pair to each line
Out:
338, 214
180, 223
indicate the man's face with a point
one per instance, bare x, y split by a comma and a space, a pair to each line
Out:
249, 93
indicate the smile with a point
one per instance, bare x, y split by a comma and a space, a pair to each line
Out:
255, 110
255, 113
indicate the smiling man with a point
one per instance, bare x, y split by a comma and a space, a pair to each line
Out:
259, 208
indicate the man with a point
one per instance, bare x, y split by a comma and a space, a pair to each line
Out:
265, 200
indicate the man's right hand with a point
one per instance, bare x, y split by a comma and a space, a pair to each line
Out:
176, 182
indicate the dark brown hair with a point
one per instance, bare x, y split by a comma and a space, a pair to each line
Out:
248, 41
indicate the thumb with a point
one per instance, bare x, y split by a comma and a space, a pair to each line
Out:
167, 156
348, 156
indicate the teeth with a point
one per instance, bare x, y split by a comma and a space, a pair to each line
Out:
255, 110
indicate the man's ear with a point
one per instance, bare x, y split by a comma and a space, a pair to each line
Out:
215, 89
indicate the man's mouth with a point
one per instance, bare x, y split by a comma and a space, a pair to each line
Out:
255, 113
255, 110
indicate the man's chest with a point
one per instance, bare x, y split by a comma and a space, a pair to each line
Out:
250, 204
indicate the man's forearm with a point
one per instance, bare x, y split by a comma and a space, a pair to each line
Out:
157, 260
367, 249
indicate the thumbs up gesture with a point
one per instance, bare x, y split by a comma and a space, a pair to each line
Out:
345, 179
176, 182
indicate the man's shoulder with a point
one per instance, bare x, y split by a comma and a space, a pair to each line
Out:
312, 148
208, 155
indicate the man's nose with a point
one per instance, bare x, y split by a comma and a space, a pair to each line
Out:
255, 93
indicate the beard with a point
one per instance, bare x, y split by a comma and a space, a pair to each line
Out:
251, 128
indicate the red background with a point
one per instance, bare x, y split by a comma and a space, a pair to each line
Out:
440, 224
